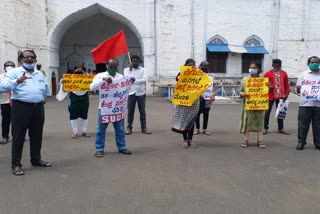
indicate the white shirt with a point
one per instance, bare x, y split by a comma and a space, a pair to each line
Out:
4, 96
308, 75
139, 86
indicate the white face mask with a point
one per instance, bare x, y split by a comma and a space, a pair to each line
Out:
253, 71
8, 68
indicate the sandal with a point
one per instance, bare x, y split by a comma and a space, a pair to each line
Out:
185, 144
75, 136
197, 131
85, 134
206, 132
193, 145
98, 154
261, 145
17, 170
244, 144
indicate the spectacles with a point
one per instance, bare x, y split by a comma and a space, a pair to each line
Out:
29, 57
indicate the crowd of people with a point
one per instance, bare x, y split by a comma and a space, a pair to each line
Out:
25, 89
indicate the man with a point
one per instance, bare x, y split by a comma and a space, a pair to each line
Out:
137, 94
29, 90
5, 105
278, 89
106, 79
39, 69
309, 110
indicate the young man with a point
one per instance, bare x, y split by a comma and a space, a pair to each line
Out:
278, 89
309, 109
137, 94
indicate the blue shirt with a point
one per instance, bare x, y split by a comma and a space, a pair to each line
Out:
32, 90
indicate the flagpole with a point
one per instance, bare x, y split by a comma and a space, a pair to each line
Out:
129, 58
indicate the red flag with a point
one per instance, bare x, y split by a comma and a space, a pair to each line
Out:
112, 47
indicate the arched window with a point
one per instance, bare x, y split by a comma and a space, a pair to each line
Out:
217, 54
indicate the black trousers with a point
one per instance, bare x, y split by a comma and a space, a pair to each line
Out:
141, 100
26, 116
267, 116
307, 115
6, 119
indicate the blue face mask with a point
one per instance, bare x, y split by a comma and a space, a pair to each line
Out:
28, 65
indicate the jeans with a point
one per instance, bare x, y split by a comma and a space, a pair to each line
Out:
307, 115
267, 116
141, 100
101, 134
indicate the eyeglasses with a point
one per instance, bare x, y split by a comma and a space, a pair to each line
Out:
29, 57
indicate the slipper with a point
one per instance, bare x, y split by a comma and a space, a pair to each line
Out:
206, 133
85, 134
17, 170
196, 132
75, 136
261, 145
244, 144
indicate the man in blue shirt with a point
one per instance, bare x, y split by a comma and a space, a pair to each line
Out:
29, 90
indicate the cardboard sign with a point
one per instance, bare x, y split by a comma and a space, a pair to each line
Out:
310, 90
77, 82
192, 83
258, 92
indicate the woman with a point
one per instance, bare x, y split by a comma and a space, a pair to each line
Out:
251, 120
204, 105
184, 116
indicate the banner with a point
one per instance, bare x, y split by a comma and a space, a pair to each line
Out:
191, 85
207, 94
258, 92
77, 82
113, 99
310, 90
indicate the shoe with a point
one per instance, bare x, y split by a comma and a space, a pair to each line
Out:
281, 131
196, 132
4, 141
75, 136
317, 147
265, 131
146, 131
85, 134
17, 170
185, 144
128, 131
193, 145
125, 152
206, 132
300, 146
99, 154
42, 163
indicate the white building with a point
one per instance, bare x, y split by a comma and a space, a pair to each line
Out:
228, 33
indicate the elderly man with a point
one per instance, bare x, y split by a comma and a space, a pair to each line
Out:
5, 105
29, 90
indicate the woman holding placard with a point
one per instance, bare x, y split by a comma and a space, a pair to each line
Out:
251, 120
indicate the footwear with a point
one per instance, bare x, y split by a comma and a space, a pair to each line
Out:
265, 131
193, 145
185, 144
4, 141
197, 131
128, 131
300, 146
317, 147
125, 152
42, 163
99, 154
85, 134
244, 144
17, 170
75, 136
206, 132
146, 131
281, 131
261, 145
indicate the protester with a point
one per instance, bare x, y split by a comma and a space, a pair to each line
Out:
204, 105
78, 107
104, 79
184, 116
251, 120
29, 90
309, 110
137, 94
5, 105
278, 89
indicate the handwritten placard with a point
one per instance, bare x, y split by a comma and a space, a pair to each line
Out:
207, 94
113, 99
192, 83
257, 90
77, 82
310, 90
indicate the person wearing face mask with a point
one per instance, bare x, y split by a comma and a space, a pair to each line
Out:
278, 89
137, 94
204, 105
309, 110
78, 107
251, 120
29, 90
5, 105
102, 79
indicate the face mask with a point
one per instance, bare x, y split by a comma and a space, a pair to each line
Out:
314, 66
205, 70
253, 71
8, 68
135, 64
28, 65
112, 71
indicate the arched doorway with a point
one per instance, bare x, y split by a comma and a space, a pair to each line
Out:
53, 84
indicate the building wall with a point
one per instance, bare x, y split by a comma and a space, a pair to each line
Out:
181, 28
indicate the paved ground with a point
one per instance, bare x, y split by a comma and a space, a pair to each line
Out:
161, 176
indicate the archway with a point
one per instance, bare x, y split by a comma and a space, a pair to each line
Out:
53, 83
